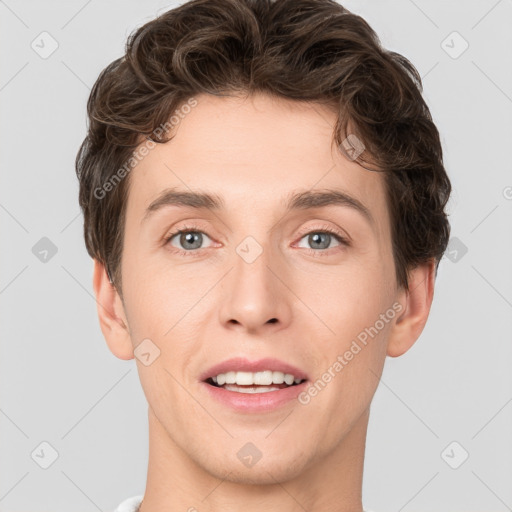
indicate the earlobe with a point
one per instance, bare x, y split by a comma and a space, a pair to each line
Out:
111, 314
416, 304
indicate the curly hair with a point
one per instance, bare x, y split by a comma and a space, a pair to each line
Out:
304, 50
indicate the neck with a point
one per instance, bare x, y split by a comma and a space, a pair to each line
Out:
329, 483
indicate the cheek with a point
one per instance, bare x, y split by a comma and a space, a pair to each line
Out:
169, 307
346, 298
155, 294
351, 335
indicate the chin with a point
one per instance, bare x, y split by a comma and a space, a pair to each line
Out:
268, 470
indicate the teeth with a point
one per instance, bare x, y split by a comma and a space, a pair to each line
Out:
277, 377
264, 378
288, 379
259, 389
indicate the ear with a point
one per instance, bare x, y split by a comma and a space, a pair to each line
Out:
113, 323
416, 302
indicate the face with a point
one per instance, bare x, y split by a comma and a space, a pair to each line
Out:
265, 274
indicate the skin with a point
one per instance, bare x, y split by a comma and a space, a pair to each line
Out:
202, 310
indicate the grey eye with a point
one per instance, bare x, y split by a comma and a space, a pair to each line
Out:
189, 240
319, 239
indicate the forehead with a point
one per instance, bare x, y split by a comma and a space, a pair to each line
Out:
253, 152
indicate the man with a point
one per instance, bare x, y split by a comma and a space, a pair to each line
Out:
263, 194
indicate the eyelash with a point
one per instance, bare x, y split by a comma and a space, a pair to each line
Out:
321, 252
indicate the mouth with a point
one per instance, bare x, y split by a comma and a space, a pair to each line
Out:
241, 375
258, 382
254, 386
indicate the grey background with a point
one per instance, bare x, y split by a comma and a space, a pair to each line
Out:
60, 383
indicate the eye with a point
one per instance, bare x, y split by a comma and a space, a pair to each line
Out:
322, 238
188, 239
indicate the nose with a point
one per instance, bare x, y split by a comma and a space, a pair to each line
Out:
255, 297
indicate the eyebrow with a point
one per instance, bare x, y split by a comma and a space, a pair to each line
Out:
305, 200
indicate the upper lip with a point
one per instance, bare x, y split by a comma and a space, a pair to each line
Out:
245, 365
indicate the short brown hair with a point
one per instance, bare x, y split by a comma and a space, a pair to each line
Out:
305, 50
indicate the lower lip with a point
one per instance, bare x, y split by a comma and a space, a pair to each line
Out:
255, 402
